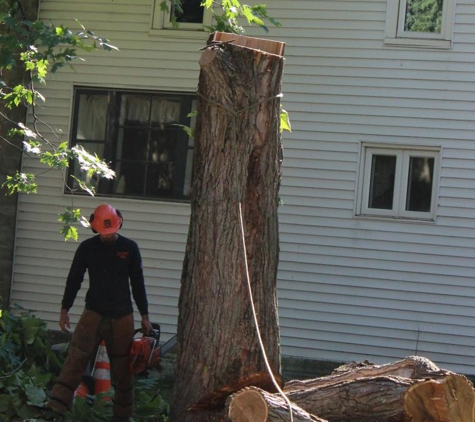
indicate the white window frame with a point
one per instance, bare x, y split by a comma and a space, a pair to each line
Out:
403, 155
161, 21
396, 35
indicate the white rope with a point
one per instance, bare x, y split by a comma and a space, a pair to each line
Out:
234, 115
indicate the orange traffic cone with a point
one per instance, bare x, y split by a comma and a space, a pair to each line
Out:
82, 391
101, 371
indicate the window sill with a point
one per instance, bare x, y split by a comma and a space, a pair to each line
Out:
418, 43
183, 34
394, 219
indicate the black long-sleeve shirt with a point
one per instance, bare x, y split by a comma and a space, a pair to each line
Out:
110, 266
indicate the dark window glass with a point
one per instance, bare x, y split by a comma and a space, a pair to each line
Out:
381, 191
138, 134
419, 184
189, 11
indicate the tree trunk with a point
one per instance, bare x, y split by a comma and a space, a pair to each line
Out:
255, 405
413, 389
238, 156
374, 399
413, 367
391, 399
10, 160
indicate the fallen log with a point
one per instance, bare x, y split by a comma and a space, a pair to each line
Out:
412, 367
451, 399
392, 399
353, 395
255, 405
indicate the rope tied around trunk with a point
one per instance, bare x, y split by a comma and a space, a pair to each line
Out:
234, 114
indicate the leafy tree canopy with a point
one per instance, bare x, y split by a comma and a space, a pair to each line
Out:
424, 16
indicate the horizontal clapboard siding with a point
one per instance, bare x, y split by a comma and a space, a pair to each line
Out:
349, 288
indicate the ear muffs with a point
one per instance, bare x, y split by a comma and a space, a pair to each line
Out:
121, 218
91, 219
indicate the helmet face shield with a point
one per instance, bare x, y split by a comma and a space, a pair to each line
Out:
106, 220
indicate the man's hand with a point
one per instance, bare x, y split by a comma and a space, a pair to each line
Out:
64, 321
146, 325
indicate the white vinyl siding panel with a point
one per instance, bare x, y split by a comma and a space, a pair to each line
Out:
349, 288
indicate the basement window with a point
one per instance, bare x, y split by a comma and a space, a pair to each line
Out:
420, 23
398, 183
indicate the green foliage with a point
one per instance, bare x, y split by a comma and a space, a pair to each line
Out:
20, 182
227, 18
70, 217
38, 48
226, 14
24, 353
284, 120
26, 359
150, 406
424, 16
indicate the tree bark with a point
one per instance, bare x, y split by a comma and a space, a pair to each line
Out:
10, 160
238, 156
420, 392
255, 405
413, 367
391, 399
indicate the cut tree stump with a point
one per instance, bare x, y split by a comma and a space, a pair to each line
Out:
255, 405
237, 167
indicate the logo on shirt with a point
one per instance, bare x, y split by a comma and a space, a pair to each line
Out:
123, 255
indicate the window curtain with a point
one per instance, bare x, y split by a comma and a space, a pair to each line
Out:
92, 117
135, 109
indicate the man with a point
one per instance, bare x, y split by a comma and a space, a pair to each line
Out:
112, 261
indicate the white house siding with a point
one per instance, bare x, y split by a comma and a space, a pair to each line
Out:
353, 288
349, 288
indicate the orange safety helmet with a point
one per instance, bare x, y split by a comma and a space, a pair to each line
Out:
106, 220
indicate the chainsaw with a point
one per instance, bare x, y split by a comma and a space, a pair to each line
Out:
146, 352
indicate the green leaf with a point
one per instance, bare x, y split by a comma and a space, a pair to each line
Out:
20, 182
32, 147
188, 130
4, 403
31, 326
85, 186
164, 6
69, 232
70, 215
36, 395
284, 120
91, 163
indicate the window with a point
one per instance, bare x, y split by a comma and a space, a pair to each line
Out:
398, 183
138, 134
420, 23
192, 16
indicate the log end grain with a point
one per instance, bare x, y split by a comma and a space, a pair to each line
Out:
443, 400
248, 406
